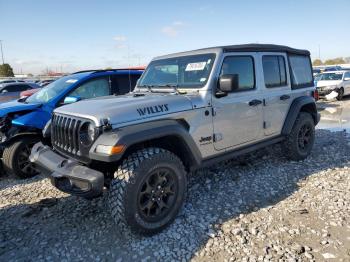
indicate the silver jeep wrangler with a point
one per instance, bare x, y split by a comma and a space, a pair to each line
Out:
188, 110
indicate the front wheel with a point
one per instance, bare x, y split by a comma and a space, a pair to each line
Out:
340, 94
300, 141
148, 190
16, 158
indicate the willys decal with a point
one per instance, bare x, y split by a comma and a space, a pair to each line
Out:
150, 110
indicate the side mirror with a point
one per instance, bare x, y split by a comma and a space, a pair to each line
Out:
71, 99
228, 83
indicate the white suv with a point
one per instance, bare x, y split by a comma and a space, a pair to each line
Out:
338, 81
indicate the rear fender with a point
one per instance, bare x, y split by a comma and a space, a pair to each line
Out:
303, 103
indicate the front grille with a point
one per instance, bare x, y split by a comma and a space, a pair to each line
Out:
65, 133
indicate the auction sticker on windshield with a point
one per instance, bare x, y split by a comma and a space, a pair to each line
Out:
195, 66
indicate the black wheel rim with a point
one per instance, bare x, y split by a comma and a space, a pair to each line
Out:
304, 137
158, 194
341, 92
24, 164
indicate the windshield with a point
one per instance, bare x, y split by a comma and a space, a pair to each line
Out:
184, 72
329, 76
53, 89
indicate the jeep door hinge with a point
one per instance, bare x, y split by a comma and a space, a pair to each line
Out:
213, 112
264, 125
217, 137
264, 102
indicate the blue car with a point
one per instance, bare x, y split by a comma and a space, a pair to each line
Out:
22, 121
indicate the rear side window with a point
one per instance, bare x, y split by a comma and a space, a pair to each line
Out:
274, 71
244, 67
17, 88
301, 72
120, 84
134, 79
93, 88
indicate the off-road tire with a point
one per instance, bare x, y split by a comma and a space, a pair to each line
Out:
340, 94
291, 146
126, 187
11, 156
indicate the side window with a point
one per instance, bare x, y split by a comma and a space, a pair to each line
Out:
274, 71
347, 76
134, 79
121, 84
16, 88
93, 88
301, 72
243, 66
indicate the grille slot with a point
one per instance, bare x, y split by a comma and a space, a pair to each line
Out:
65, 133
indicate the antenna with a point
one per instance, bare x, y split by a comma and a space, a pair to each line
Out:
129, 67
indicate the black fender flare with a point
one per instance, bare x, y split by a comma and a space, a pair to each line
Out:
138, 133
294, 110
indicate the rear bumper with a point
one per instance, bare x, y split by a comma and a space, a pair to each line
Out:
67, 175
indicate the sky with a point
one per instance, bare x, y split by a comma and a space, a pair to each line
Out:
69, 35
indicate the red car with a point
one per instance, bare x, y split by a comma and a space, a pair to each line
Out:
28, 92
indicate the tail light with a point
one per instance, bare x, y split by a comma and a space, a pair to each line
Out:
315, 94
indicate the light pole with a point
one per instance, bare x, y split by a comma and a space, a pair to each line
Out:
2, 52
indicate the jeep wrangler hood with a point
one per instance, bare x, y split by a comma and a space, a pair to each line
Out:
127, 108
15, 106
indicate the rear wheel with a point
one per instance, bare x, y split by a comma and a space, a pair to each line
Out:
300, 141
148, 190
16, 158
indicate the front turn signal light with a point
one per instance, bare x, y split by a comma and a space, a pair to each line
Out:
109, 150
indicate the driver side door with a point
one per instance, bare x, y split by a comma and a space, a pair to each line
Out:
238, 116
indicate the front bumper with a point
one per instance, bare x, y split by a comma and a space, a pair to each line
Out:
324, 92
67, 175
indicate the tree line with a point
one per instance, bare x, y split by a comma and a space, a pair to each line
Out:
335, 61
6, 70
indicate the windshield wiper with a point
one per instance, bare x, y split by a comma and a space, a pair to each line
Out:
174, 87
149, 87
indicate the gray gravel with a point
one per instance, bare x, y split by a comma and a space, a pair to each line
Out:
258, 208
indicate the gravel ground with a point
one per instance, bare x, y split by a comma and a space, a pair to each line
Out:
258, 208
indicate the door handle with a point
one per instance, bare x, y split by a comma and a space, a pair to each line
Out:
255, 102
284, 97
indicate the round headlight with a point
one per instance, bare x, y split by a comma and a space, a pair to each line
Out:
91, 131
87, 133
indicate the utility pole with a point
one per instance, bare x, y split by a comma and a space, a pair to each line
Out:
319, 52
2, 52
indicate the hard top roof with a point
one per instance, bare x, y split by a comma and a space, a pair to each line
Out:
264, 48
244, 48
